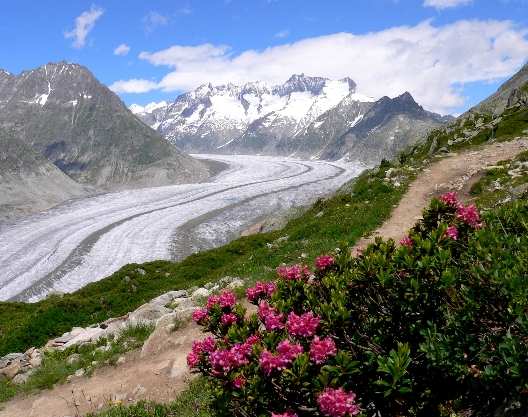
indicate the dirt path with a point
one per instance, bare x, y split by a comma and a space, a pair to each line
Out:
453, 173
158, 372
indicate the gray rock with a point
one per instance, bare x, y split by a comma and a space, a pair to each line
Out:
147, 313
80, 372
200, 293
73, 358
121, 360
21, 379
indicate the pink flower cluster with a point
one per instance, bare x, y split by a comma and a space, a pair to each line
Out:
199, 315
224, 361
226, 299
293, 272
304, 325
323, 262
285, 414
452, 232
286, 354
199, 348
407, 241
261, 290
469, 215
322, 349
450, 199
337, 403
228, 319
272, 319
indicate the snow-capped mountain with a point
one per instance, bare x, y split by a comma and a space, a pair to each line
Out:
303, 117
68, 117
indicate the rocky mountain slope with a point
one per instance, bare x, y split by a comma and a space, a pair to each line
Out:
304, 117
507, 94
64, 114
28, 181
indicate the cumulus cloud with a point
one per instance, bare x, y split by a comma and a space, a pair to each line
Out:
446, 4
432, 62
84, 23
122, 50
133, 86
153, 20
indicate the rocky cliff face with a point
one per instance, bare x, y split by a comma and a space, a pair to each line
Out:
502, 98
65, 115
386, 128
308, 117
28, 181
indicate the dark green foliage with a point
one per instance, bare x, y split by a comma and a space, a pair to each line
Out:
439, 328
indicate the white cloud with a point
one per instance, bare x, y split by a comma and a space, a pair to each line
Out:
153, 20
133, 86
446, 4
84, 23
432, 62
282, 34
122, 50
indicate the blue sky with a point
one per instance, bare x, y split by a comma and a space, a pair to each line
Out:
448, 53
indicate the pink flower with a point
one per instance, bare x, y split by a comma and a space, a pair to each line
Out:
322, 349
271, 318
193, 360
288, 351
323, 262
212, 301
407, 241
239, 382
450, 199
304, 325
206, 345
285, 414
239, 354
469, 215
222, 362
199, 315
269, 362
337, 403
252, 340
228, 319
293, 272
260, 290
227, 299
452, 232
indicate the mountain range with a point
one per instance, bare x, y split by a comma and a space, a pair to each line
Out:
308, 117
67, 128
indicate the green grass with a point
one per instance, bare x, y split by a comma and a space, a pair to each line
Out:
502, 183
357, 209
195, 401
55, 368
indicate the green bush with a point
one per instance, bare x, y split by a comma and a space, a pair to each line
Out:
435, 326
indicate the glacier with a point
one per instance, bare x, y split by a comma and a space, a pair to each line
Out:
85, 240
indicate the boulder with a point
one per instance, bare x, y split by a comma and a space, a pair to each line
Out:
200, 293
73, 358
147, 313
21, 379
11, 370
